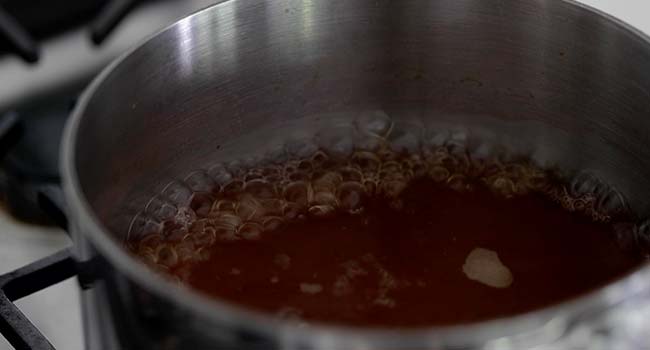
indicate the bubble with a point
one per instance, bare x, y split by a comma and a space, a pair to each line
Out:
458, 138
260, 189
337, 141
249, 208
225, 233
484, 153
300, 147
276, 154
236, 168
440, 157
299, 192
159, 209
368, 142
325, 198
152, 240
271, 171
643, 235
223, 205
227, 220
458, 182
142, 225
459, 153
403, 176
567, 203
202, 203
439, 173
455, 164
167, 256
148, 257
253, 174
291, 210
233, 187
272, 206
225, 227
370, 186
405, 141
391, 167
351, 195
413, 160
248, 163
392, 188
197, 226
376, 123
185, 216
272, 223
386, 154
319, 158
219, 174
200, 181
177, 193
251, 231
366, 161
436, 137
173, 231
185, 249
503, 186
205, 237
327, 182
299, 176
202, 254
321, 211
584, 183
536, 180
580, 205
305, 166
611, 203
142, 249
351, 173
289, 168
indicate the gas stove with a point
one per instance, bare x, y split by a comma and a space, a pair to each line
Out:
48, 52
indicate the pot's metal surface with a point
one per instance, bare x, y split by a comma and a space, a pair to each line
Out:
570, 84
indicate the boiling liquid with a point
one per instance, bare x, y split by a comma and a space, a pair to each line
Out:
388, 267
387, 239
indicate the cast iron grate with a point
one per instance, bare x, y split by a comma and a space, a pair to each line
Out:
23, 23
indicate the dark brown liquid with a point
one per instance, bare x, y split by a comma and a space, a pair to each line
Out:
388, 267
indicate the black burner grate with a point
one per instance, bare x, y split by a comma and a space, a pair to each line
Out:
14, 326
23, 23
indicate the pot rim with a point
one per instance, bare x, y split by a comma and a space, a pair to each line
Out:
552, 319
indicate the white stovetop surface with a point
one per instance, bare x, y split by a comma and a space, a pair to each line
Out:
56, 310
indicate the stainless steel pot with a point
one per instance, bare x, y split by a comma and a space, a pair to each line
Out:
563, 81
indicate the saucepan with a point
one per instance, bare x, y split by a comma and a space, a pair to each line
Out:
556, 79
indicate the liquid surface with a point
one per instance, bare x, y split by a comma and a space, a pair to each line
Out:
388, 236
389, 267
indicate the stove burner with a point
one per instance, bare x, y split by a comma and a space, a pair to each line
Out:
104, 24
18, 37
14, 326
24, 23
29, 155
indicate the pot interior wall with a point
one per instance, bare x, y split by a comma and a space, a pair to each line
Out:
563, 83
